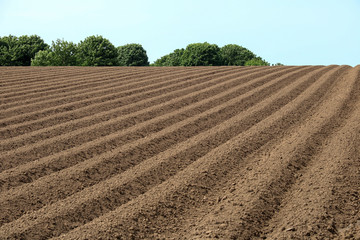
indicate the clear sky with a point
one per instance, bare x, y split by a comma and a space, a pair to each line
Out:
292, 32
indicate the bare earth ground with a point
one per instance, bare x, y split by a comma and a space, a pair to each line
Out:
180, 153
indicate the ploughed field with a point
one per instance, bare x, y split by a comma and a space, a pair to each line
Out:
180, 153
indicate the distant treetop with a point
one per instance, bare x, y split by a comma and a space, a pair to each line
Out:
132, 55
16, 51
206, 54
99, 51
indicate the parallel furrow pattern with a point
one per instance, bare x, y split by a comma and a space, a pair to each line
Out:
178, 152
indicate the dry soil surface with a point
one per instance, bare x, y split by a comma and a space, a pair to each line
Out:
180, 152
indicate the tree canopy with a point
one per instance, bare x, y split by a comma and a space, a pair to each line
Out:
257, 62
61, 53
97, 51
19, 51
7, 46
132, 55
201, 54
205, 54
172, 59
235, 55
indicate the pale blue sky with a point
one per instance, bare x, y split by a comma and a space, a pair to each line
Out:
293, 32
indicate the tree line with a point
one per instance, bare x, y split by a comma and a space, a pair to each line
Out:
206, 54
99, 51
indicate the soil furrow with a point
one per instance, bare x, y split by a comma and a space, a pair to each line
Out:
195, 94
196, 109
98, 80
100, 109
94, 85
150, 82
39, 79
73, 111
145, 215
61, 76
250, 125
180, 152
18, 77
330, 182
112, 166
48, 87
259, 189
107, 116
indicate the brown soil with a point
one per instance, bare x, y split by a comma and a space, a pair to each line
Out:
180, 153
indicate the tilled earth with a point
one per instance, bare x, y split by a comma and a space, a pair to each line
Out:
180, 152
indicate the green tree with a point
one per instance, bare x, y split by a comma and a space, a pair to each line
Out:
258, 61
233, 54
27, 47
201, 54
61, 53
64, 53
132, 55
7, 45
97, 51
19, 51
42, 58
161, 62
172, 59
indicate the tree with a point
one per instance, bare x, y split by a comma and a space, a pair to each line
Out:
7, 45
27, 47
61, 53
233, 54
19, 51
258, 61
172, 59
42, 58
162, 62
132, 55
97, 51
64, 53
201, 54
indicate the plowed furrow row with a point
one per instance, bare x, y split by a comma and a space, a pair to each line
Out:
53, 75
89, 82
144, 216
144, 83
92, 147
137, 100
66, 111
331, 117
93, 82
257, 199
50, 85
180, 152
110, 165
331, 184
228, 131
216, 86
61, 76
28, 76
